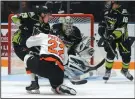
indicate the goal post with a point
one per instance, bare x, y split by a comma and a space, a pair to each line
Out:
85, 22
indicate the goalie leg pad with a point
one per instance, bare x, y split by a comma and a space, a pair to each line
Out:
77, 64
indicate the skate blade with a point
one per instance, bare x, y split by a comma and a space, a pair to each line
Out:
131, 79
69, 92
33, 91
106, 81
72, 92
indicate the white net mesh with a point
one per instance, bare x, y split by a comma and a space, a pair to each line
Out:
16, 64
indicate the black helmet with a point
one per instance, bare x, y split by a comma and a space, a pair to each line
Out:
109, 4
119, 3
116, 2
42, 9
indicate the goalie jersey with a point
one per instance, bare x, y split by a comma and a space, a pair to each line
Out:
50, 45
70, 41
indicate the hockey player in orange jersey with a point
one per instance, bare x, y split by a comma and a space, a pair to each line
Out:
49, 63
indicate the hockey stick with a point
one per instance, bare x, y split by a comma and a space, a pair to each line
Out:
96, 66
114, 52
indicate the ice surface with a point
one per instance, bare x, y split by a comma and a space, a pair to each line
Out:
117, 87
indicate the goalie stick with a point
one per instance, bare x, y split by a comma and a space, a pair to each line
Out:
76, 81
114, 52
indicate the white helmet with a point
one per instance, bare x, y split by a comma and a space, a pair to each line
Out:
67, 24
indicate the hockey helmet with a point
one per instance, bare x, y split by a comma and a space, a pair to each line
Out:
117, 2
67, 24
42, 9
109, 4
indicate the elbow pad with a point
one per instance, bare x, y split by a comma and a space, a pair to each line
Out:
16, 20
101, 28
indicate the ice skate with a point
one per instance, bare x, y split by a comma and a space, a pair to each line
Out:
107, 75
34, 87
126, 73
62, 89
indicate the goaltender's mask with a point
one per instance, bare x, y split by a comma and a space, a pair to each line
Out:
67, 25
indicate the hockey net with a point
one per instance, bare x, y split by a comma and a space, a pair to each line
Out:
85, 22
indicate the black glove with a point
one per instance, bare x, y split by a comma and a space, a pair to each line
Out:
111, 38
107, 40
101, 28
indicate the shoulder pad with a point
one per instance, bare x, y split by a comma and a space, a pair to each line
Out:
76, 28
56, 25
106, 12
125, 12
31, 14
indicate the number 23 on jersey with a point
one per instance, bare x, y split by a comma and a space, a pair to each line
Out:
56, 48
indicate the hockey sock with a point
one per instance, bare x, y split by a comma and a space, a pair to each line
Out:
125, 65
32, 76
109, 64
28, 71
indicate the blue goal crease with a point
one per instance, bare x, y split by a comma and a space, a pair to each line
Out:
26, 78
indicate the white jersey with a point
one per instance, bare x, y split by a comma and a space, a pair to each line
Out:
50, 44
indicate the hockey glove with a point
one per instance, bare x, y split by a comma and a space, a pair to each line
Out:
101, 28
111, 38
